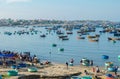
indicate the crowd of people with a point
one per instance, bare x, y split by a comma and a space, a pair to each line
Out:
95, 69
9, 57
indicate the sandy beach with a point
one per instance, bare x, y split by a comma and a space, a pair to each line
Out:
55, 70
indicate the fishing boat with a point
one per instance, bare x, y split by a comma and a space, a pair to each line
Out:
62, 36
112, 38
69, 32
66, 38
116, 34
80, 37
97, 35
93, 40
43, 35
91, 36
85, 62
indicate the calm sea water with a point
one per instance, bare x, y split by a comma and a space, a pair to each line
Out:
73, 48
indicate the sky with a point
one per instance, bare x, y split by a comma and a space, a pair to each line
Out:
61, 9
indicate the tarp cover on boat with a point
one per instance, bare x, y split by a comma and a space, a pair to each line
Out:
6, 55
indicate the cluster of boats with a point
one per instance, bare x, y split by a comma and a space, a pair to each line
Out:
64, 32
22, 32
94, 38
115, 32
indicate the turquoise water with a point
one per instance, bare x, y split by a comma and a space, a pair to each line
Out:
73, 48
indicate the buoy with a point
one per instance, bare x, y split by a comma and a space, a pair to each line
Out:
54, 45
61, 49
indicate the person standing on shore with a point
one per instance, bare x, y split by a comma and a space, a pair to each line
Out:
116, 69
72, 61
67, 64
97, 69
80, 62
93, 69
91, 63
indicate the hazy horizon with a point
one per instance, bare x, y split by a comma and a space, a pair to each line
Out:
61, 9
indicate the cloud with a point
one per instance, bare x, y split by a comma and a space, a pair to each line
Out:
15, 1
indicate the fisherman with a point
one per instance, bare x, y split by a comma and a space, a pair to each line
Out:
67, 64
72, 61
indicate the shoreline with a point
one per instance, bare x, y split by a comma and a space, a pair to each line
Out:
55, 71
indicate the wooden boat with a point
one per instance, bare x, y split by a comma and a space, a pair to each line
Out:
65, 38
80, 31
43, 35
59, 32
111, 38
80, 37
117, 34
93, 40
118, 38
62, 36
91, 36
97, 35
69, 32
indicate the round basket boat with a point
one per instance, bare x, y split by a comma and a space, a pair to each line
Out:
75, 77
61, 49
85, 64
105, 57
85, 60
33, 69
71, 64
109, 75
86, 77
109, 64
111, 69
14, 67
22, 65
12, 73
0, 77
118, 56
